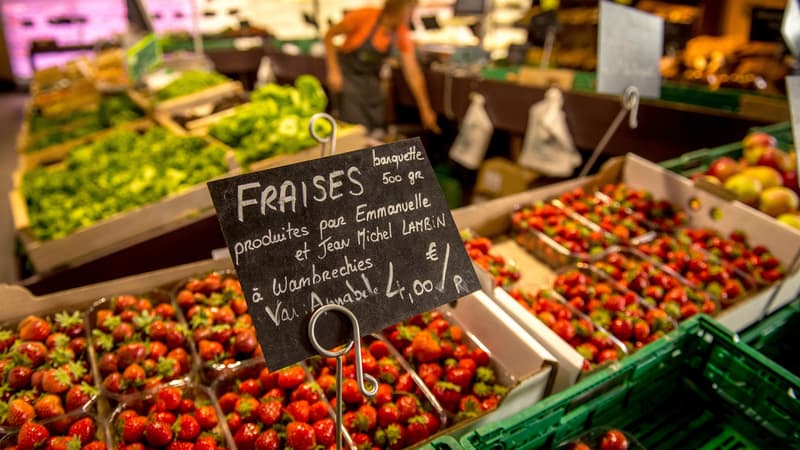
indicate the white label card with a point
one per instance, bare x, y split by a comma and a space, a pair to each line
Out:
630, 44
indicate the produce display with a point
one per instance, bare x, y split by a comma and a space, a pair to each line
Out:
399, 415
189, 82
765, 177
274, 122
594, 344
176, 417
83, 432
112, 111
662, 213
44, 369
216, 311
611, 216
603, 439
504, 272
139, 344
119, 172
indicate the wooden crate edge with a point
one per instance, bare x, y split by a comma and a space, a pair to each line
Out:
19, 210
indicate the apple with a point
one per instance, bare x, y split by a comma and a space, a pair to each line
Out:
791, 219
745, 188
789, 162
753, 154
790, 181
777, 200
771, 157
759, 140
723, 168
768, 176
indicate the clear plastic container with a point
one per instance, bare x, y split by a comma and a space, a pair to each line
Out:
56, 352
222, 290
102, 343
61, 428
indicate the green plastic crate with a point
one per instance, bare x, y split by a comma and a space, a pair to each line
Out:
697, 161
698, 388
724, 99
776, 337
442, 443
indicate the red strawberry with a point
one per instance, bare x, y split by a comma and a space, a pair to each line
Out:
205, 442
188, 428
164, 416
134, 375
350, 392
425, 347
324, 432
459, 376
33, 328
56, 381
268, 440
378, 349
307, 391
269, 412
227, 402
246, 407
79, 396
158, 434
384, 394
36, 352
94, 445
107, 364
267, 379
448, 395
180, 446
405, 383
388, 414
19, 412
407, 406
234, 421
245, 437
84, 429
479, 356
206, 416
250, 386
300, 436
430, 373
31, 436
48, 405
291, 377
133, 428
19, 378
62, 443
299, 410
368, 415
132, 353
318, 411
170, 396
417, 430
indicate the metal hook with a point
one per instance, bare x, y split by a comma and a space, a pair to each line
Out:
630, 105
355, 344
331, 140
630, 102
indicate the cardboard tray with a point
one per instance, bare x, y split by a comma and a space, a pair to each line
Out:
492, 219
113, 233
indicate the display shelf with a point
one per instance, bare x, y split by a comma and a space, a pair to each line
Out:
696, 390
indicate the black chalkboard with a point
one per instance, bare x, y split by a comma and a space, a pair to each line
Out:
765, 24
369, 230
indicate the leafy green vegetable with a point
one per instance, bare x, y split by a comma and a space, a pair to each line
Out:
189, 82
112, 111
275, 122
118, 173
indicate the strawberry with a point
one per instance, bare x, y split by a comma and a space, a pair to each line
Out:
180, 446
227, 402
430, 373
234, 421
350, 392
246, 407
31, 436
133, 375
19, 378
94, 445
132, 353
107, 364
250, 386
318, 411
79, 396
425, 347
291, 377
164, 416
84, 429
158, 434
392, 437
300, 436
62, 443
460, 376
407, 406
417, 430
205, 442
36, 352
187, 428
307, 391
268, 440
206, 417
33, 328
324, 432
384, 394
299, 410
113, 383
388, 414
171, 397
19, 412
378, 349
245, 437
448, 395
368, 417
133, 429
48, 406
269, 379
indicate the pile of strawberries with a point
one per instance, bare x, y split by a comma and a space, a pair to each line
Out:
662, 213
594, 344
623, 223
399, 415
274, 410
139, 345
217, 314
704, 270
656, 287
756, 261
556, 224
479, 250
175, 418
456, 372
68, 433
44, 369
612, 308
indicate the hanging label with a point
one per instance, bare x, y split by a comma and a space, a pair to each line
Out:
793, 90
630, 43
143, 56
790, 27
369, 230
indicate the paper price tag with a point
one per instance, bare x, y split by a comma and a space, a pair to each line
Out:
369, 230
630, 43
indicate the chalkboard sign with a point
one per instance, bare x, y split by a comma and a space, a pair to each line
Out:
629, 49
765, 24
369, 230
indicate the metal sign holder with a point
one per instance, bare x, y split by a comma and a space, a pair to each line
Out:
329, 148
630, 104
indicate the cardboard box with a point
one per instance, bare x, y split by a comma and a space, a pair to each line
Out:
499, 177
493, 218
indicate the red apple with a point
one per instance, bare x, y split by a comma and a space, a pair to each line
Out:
771, 157
790, 181
759, 140
723, 168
